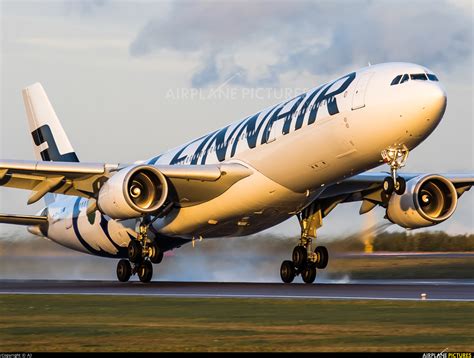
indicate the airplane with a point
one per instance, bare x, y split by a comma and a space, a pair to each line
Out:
301, 157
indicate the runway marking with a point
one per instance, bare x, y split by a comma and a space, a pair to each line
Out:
198, 295
397, 291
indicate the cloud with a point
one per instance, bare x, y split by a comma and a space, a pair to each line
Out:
84, 7
317, 37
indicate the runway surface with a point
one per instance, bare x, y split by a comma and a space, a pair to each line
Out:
454, 290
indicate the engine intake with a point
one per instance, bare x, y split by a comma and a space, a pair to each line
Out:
133, 192
428, 200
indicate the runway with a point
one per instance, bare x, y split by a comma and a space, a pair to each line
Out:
452, 290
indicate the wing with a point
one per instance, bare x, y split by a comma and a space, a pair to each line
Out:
367, 188
192, 183
23, 219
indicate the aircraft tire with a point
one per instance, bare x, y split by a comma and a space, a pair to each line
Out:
156, 253
145, 271
388, 186
134, 251
124, 270
309, 274
401, 186
300, 256
323, 256
287, 271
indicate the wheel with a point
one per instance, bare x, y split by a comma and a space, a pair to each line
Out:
388, 186
124, 270
323, 257
300, 256
309, 274
134, 251
401, 186
145, 271
156, 255
287, 271
385, 197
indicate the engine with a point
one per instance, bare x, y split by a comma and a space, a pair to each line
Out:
428, 200
132, 192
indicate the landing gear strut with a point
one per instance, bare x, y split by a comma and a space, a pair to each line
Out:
305, 261
142, 252
396, 158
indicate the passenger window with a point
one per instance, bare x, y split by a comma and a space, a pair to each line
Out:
404, 78
432, 77
418, 76
396, 80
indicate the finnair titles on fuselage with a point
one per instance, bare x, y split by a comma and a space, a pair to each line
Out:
302, 158
256, 129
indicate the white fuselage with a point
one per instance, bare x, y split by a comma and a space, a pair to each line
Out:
296, 149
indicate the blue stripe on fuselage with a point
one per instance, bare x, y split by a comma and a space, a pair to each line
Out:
104, 224
75, 218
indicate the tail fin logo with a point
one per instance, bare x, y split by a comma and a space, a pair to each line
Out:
44, 134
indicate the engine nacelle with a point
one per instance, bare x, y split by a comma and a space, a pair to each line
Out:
132, 192
428, 200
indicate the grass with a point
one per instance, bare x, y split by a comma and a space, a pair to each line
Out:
107, 323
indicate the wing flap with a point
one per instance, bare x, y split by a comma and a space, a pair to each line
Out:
191, 172
23, 219
44, 187
192, 183
78, 179
38, 167
192, 192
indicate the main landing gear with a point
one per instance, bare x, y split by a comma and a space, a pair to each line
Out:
305, 261
142, 252
396, 158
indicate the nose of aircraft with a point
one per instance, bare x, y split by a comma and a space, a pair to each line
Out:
437, 96
437, 101
433, 104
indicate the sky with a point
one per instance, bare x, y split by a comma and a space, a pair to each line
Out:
130, 79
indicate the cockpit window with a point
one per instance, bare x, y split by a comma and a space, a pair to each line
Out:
418, 76
404, 78
414, 76
396, 80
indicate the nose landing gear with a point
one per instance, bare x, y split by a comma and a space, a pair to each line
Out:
305, 261
396, 158
142, 252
